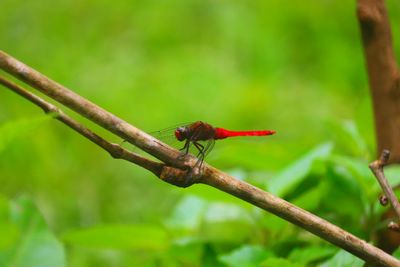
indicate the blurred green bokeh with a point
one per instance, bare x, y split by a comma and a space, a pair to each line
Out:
293, 66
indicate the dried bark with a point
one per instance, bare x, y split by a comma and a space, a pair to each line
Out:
383, 74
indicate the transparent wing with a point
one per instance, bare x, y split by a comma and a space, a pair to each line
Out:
169, 131
167, 135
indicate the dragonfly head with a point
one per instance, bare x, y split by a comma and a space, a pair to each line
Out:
181, 133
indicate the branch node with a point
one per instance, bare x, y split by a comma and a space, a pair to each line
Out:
377, 169
383, 200
384, 157
369, 15
117, 151
178, 177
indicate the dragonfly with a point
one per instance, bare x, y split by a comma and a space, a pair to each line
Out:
202, 136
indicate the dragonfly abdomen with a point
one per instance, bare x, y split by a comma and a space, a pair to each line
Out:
221, 133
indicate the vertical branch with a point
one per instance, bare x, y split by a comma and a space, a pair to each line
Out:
383, 74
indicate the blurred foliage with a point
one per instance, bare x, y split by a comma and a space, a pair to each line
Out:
25, 237
293, 66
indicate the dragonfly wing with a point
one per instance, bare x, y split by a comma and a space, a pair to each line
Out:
167, 135
209, 147
169, 130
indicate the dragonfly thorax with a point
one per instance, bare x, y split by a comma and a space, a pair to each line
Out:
197, 131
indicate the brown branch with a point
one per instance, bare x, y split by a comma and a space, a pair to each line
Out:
383, 73
209, 175
115, 150
377, 169
93, 112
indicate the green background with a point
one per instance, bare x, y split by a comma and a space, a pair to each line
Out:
293, 66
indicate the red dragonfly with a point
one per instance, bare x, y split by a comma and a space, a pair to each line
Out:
198, 132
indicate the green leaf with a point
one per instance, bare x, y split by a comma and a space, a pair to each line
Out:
26, 239
14, 129
273, 223
396, 253
279, 262
343, 259
10, 234
298, 170
226, 223
210, 257
349, 139
311, 254
187, 251
188, 214
119, 237
4, 209
392, 173
358, 176
365, 122
211, 194
246, 256
310, 199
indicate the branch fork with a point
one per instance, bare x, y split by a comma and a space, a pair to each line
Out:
389, 196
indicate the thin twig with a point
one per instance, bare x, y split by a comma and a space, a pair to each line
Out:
210, 175
94, 113
116, 151
377, 169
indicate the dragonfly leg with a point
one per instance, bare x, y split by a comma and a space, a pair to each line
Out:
200, 155
199, 147
186, 147
185, 150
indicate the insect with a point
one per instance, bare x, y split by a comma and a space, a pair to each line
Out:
196, 132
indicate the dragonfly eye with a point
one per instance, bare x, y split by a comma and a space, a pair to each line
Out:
180, 134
